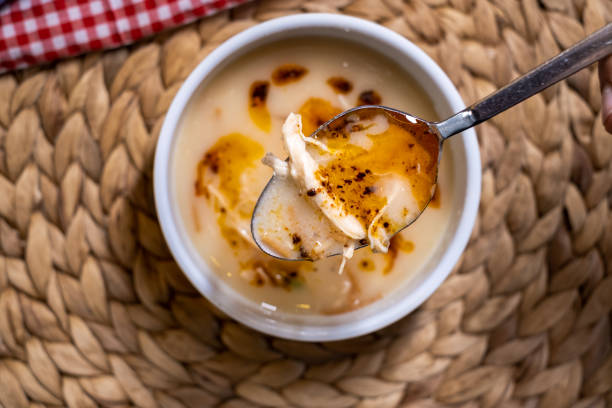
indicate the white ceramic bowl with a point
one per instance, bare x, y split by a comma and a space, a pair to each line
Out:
403, 300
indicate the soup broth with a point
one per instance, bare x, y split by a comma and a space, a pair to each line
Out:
236, 116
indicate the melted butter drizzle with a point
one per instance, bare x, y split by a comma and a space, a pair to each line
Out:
221, 169
225, 162
408, 150
258, 108
397, 244
315, 112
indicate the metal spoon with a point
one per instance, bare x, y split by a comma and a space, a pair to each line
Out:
586, 52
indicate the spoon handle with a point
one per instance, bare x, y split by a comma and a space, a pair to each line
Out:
580, 55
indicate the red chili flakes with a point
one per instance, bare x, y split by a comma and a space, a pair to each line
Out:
315, 112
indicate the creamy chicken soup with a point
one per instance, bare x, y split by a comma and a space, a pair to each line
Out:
236, 117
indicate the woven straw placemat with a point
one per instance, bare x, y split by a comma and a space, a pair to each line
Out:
93, 311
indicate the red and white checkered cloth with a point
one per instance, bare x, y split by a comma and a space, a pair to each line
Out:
37, 31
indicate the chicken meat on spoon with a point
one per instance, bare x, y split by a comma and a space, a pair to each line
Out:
371, 171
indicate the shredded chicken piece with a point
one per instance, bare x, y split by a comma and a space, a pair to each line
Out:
317, 143
304, 172
280, 167
347, 253
235, 221
380, 244
346, 105
303, 169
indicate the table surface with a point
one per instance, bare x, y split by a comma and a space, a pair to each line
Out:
93, 311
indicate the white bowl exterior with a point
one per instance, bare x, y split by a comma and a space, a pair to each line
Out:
466, 167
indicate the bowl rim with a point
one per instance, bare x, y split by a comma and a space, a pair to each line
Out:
229, 50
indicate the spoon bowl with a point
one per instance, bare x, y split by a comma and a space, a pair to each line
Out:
281, 201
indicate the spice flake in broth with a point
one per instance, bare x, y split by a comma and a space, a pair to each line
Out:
223, 107
258, 95
369, 97
288, 73
340, 85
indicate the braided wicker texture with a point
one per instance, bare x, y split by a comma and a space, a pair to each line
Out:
93, 311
